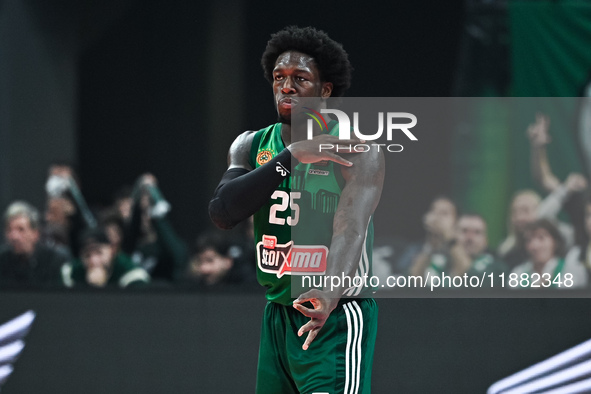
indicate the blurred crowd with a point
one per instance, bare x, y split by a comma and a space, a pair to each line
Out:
133, 243
547, 238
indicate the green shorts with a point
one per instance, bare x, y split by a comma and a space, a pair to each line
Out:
339, 360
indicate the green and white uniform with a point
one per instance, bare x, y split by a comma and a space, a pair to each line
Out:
124, 273
293, 232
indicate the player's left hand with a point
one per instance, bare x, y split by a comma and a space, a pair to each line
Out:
323, 304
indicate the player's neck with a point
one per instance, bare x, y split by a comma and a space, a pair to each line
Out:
286, 133
299, 133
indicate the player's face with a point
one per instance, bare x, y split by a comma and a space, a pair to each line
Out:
21, 237
296, 75
472, 235
540, 246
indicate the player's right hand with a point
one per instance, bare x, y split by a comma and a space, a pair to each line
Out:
323, 303
322, 148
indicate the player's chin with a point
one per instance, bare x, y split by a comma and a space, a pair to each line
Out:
284, 117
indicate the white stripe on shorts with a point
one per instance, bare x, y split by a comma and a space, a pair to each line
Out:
353, 349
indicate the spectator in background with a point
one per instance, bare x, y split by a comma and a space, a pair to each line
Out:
243, 237
441, 252
545, 249
473, 237
62, 169
58, 207
25, 261
585, 255
523, 210
123, 201
538, 133
219, 260
114, 226
57, 221
149, 236
99, 265
67, 212
581, 253
570, 194
527, 206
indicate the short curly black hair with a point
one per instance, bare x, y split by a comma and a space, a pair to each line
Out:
331, 59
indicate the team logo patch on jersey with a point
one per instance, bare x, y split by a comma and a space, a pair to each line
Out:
264, 156
290, 259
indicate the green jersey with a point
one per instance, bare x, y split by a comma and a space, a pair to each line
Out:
293, 230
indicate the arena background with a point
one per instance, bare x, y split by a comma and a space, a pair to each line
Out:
124, 87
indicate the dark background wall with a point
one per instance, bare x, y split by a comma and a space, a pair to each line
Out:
167, 88
122, 88
38, 95
208, 343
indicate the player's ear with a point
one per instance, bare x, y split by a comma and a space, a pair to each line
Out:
326, 89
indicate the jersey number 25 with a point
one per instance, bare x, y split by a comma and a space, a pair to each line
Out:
287, 199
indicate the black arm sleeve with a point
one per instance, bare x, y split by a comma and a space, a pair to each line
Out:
241, 192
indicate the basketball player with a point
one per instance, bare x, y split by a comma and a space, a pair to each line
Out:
323, 341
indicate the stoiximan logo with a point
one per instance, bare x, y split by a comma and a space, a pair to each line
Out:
345, 129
